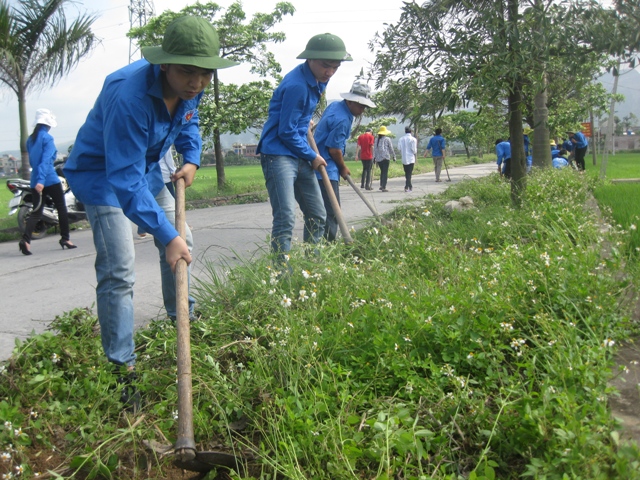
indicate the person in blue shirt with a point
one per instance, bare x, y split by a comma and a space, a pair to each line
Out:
437, 146
560, 161
580, 145
288, 161
554, 149
331, 135
503, 154
44, 180
528, 151
141, 111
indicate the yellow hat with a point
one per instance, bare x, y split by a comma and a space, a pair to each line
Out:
527, 130
383, 131
553, 142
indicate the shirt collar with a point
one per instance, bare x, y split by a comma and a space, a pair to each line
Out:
155, 89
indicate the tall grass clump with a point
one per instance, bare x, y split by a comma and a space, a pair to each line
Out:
467, 344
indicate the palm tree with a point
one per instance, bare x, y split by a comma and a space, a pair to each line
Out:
37, 49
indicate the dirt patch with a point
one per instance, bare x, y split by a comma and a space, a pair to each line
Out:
625, 406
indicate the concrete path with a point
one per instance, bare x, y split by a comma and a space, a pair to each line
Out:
34, 289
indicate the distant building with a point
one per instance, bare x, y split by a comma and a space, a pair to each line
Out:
245, 150
9, 166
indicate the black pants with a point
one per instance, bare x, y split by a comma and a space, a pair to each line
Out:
507, 168
57, 195
384, 172
365, 181
331, 224
580, 154
408, 171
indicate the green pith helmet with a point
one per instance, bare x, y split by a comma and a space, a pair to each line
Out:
326, 47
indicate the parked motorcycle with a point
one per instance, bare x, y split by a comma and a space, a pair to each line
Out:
23, 204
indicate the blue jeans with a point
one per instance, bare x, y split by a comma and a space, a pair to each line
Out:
288, 180
331, 225
113, 240
168, 204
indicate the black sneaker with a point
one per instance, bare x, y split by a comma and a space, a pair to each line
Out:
130, 395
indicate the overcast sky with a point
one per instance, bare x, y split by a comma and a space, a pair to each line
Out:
355, 21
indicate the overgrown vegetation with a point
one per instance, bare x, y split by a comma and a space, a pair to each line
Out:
473, 344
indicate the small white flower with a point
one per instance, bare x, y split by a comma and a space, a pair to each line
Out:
174, 414
396, 347
632, 227
470, 356
608, 342
306, 274
17, 432
55, 358
452, 309
407, 339
285, 302
426, 213
5, 456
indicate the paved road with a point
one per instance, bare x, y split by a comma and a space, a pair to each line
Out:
34, 289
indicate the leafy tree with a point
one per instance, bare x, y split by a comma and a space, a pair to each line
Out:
465, 51
404, 98
229, 108
489, 52
478, 130
37, 48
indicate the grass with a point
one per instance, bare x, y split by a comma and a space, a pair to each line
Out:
473, 344
621, 201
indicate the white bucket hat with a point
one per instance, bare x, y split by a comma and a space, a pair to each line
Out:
44, 116
360, 93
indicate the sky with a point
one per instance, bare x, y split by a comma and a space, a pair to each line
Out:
355, 21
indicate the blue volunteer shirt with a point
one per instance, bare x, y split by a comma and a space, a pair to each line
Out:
559, 162
290, 111
581, 140
567, 145
503, 152
128, 130
332, 131
42, 154
437, 145
527, 145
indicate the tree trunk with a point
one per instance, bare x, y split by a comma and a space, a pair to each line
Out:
24, 134
609, 136
217, 147
518, 159
541, 148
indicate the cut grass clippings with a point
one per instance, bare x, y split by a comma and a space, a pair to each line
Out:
473, 344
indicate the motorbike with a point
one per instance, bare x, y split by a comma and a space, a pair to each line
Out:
22, 203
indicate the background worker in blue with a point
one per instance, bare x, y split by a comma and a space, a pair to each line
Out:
528, 151
580, 145
141, 111
503, 154
331, 137
437, 146
288, 162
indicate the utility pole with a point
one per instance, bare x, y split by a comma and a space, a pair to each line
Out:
140, 12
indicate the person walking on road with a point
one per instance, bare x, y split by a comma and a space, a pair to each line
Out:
364, 153
408, 146
331, 137
44, 180
141, 111
288, 161
382, 154
437, 145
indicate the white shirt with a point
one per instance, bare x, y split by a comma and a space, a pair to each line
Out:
408, 147
167, 165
